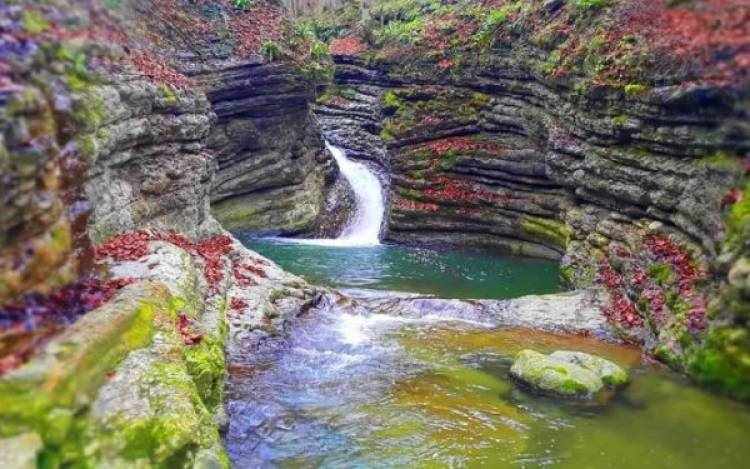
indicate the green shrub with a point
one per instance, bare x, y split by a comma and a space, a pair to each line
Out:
405, 32
391, 102
492, 23
319, 50
590, 4
241, 3
270, 50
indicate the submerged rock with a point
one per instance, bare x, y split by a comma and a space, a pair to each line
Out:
566, 374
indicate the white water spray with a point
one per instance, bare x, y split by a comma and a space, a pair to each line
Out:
364, 227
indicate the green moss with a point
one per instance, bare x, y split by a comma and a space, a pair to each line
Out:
386, 135
87, 146
665, 354
23, 102
567, 273
391, 102
170, 98
409, 193
722, 161
89, 113
177, 427
551, 62
33, 22
591, 4
738, 223
61, 238
448, 160
334, 91
47, 394
723, 362
635, 89
552, 231
619, 120
207, 366
661, 273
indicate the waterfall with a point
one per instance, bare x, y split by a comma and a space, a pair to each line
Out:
363, 229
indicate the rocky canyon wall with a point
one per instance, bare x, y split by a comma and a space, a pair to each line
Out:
634, 187
120, 124
150, 115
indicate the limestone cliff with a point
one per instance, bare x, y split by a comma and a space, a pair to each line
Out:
119, 123
579, 131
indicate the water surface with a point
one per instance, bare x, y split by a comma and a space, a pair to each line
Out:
454, 273
377, 391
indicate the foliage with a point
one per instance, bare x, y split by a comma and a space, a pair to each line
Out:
635, 44
404, 32
658, 286
724, 361
590, 4
493, 21
242, 4
27, 323
270, 50
33, 22
135, 245
319, 51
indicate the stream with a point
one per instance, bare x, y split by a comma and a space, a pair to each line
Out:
352, 388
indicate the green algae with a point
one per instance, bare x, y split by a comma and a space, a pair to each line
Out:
33, 22
723, 361
182, 386
552, 231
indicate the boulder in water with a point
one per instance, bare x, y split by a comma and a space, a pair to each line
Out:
566, 374
610, 374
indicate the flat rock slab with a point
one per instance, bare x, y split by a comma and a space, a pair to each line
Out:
575, 312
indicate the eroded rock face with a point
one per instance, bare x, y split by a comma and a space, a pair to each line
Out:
109, 124
274, 173
627, 187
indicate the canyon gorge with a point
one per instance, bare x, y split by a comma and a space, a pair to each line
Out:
211, 208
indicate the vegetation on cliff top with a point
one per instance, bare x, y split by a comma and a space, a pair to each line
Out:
632, 43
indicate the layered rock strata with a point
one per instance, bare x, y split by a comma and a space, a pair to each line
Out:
628, 188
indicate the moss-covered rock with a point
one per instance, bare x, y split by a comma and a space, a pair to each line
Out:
122, 387
566, 374
608, 372
557, 377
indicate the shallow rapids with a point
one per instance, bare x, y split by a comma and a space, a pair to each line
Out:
369, 390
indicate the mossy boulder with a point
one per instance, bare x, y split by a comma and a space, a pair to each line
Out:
566, 374
610, 374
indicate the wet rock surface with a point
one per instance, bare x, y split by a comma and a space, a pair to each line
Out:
574, 312
566, 374
618, 185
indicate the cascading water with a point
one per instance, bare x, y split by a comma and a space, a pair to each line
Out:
364, 227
